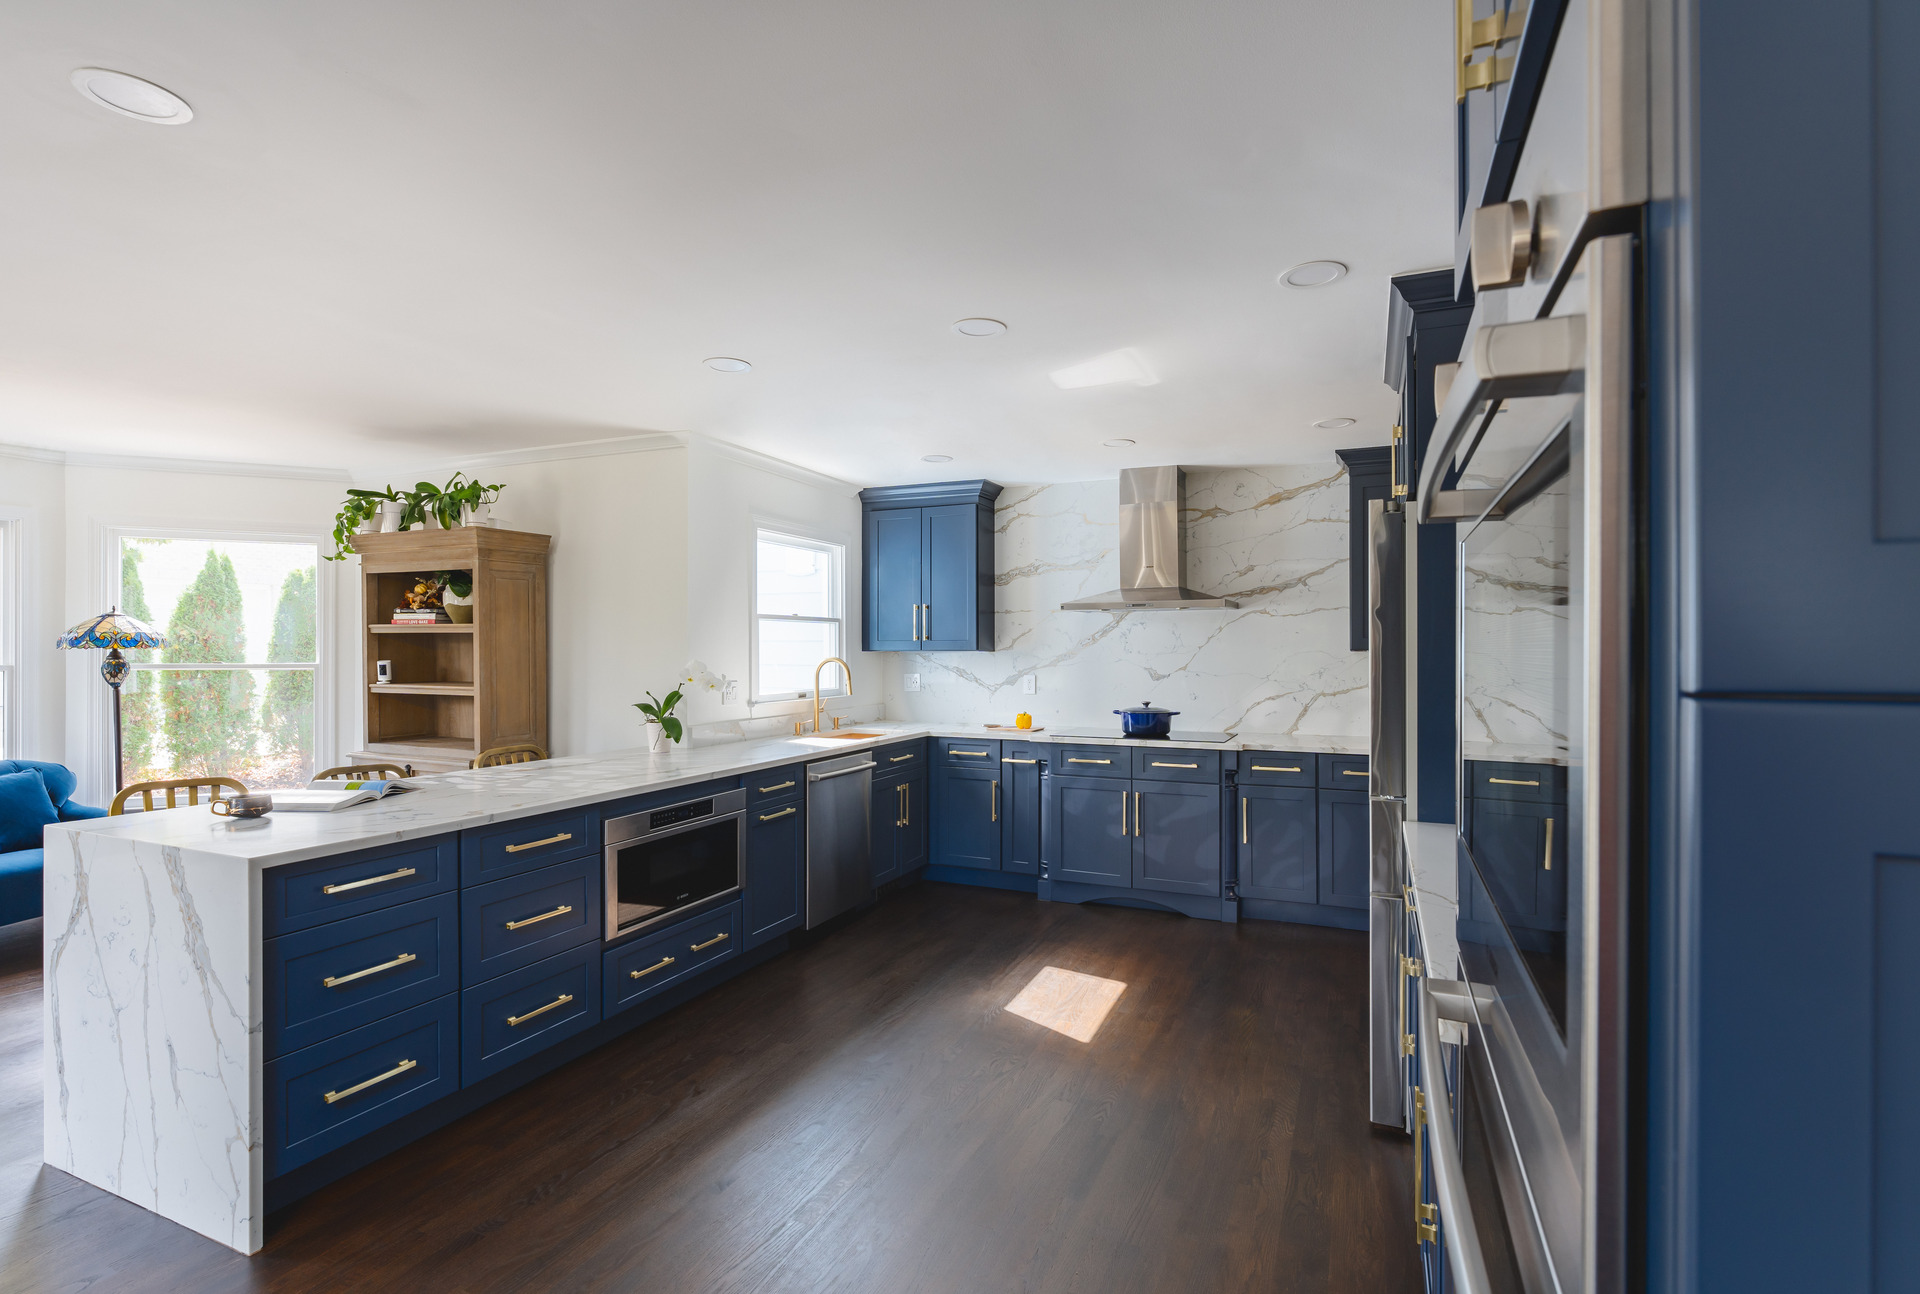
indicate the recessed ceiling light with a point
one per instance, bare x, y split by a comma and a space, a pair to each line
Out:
727, 364
131, 97
1333, 424
979, 327
1116, 444
936, 458
1313, 274
1106, 370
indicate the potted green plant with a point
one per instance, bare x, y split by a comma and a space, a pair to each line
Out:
361, 507
456, 595
662, 726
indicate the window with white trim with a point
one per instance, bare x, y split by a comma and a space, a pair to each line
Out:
799, 615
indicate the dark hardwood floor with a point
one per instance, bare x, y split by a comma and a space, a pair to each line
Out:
858, 1115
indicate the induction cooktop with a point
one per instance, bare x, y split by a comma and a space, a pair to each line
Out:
1108, 734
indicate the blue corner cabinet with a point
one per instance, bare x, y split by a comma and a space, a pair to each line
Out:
927, 563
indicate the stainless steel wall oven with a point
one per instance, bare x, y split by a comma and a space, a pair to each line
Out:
662, 863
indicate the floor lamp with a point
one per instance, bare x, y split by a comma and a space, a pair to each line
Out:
113, 631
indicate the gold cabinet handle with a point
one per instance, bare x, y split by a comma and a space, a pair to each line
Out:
906, 812
397, 1070
769, 817
1353, 772
1136, 813
334, 981
1273, 768
371, 880
559, 911
662, 964
1243, 819
720, 938
562, 1000
996, 801
1508, 781
1159, 764
535, 844
971, 754
1423, 1228
894, 759
1005, 759
1123, 815
768, 790
1546, 859
1072, 760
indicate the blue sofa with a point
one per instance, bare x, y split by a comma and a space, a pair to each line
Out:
20, 869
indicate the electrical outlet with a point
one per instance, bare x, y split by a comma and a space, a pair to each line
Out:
913, 682
1029, 685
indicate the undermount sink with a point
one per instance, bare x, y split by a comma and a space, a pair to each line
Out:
828, 738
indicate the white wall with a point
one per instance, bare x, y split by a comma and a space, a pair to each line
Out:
33, 494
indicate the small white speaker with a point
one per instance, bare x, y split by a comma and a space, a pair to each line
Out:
383, 671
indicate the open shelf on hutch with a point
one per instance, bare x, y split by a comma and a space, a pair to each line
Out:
456, 689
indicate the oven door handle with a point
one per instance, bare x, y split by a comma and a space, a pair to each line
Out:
1449, 1180
842, 772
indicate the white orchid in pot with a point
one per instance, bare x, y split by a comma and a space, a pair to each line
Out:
696, 674
663, 727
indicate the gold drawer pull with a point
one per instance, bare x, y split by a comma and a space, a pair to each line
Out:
1160, 764
559, 911
662, 964
562, 1000
769, 817
897, 758
767, 790
1508, 781
974, 754
1007, 760
334, 981
1353, 772
1072, 760
371, 880
1546, 860
1273, 768
401, 1068
720, 938
535, 844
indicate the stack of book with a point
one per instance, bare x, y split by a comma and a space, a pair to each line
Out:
422, 616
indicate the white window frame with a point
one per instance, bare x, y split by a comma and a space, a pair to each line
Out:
108, 538
798, 538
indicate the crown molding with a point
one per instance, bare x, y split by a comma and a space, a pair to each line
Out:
196, 466
643, 443
781, 467
31, 454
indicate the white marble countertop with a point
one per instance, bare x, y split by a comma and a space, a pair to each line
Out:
1433, 867
476, 797
1506, 752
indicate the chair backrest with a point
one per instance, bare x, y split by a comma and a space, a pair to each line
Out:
214, 784
525, 753
365, 772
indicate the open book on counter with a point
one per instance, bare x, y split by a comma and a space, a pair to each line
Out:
330, 796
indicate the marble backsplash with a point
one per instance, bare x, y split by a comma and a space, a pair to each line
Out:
1274, 538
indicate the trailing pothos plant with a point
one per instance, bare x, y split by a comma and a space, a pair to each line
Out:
446, 504
361, 507
661, 712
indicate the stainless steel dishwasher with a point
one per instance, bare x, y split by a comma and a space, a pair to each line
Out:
839, 839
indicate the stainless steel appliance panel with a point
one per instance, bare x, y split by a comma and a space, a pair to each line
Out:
663, 862
839, 835
1387, 766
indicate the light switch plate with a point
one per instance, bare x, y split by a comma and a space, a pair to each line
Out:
1029, 684
913, 682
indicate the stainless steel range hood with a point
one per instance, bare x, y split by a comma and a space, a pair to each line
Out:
1153, 548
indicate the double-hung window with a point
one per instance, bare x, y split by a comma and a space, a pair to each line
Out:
799, 615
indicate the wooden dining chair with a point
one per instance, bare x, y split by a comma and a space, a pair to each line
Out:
214, 785
524, 753
365, 772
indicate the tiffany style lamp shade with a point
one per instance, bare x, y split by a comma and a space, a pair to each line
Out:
114, 632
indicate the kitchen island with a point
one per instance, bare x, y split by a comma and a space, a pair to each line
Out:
177, 1047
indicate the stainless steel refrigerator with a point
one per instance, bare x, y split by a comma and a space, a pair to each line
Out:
1387, 650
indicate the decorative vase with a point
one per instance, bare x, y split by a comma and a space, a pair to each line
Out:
461, 613
658, 743
390, 516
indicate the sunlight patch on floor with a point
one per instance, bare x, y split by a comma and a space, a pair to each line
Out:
1067, 1002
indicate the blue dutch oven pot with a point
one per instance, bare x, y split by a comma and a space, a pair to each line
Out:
1145, 720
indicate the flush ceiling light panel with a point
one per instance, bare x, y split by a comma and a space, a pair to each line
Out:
1112, 369
1314, 274
979, 327
1116, 444
936, 458
1333, 424
131, 97
727, 364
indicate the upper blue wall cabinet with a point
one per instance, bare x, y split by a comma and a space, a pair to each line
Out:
928, 566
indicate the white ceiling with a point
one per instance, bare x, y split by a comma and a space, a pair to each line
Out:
465, 226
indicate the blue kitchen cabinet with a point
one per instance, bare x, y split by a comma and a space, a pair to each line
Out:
899, 825
1021, 764
1176, 837
1092, 830
775, 898
1279, 849
927, 567
1521, 849
968, 808
1344, 862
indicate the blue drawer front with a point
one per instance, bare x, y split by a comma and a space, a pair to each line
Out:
1177, 765
1092, 761
1344, 773
900, 759
776, 785
1279, 768
510, 848
967, 752
406, 1061
423, 938
1535, 783
549, 1000
489, 948
300, 896
637, 971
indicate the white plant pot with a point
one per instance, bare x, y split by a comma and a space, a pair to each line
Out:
390, 517
658, 742
481, 514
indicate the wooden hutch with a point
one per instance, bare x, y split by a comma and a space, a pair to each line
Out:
457, 689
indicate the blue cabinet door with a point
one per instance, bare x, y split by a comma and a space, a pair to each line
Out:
1279, 843
1020, 765
336, 977
886, 813
1176, 838
949, 578
1344, 871
1092, 831
776, 871
510, 1018
911, 844
893, 572
524, 919
1521, 850
968, 810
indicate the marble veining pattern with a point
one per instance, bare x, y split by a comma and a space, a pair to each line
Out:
1519, 634
1274, 538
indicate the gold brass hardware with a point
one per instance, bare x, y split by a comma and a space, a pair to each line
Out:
1072, 760
371, 880
769, 817
1407, 1044
401, 1068
768, 790
1423, 1214
720, 938
1158, 764
1508, 781
1470, 35
916, 622
535, 844
663, 963
971, 754
820, 669
1393, 473
559, 911
1243, 819
1123, 814
1353, 772
1273, 768
996, 801
1406, 894
1487, 73
893, 759
1546, 859
1008, 760
332, 981
1413, 967
1136, 813
562, 1000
